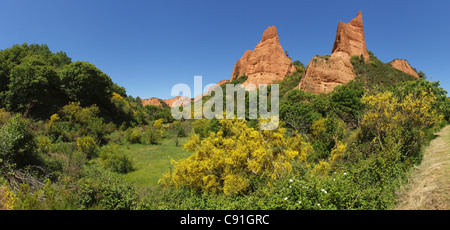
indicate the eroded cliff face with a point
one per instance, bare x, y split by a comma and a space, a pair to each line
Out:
267, 63
152, 101
404, 66
159, 102
324, 73
350, 38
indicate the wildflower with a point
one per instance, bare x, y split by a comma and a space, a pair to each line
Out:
290, 186
299, 202
324, 191
345, 174
285, 198
318, 204
334, 179
291, 180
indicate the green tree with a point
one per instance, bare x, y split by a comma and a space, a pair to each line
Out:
85, 83
4, 80
34, 88
299, 66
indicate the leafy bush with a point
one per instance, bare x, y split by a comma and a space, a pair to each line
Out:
325, 134
374, 73
47, 197
201, 127
7, 198
17, 143
98, 189
111, 158
346, 102
297, 110
87, 146
151, 135
403, 120
4, 116
133, 135
232, 159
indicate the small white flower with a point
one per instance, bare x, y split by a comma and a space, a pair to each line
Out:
285, 198
318, 204
345, 174
334, 179
290, 186
291, 180
299, 202
323, 190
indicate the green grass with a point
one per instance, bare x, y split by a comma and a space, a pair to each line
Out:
151, 162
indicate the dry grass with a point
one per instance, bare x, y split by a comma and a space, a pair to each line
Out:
429, 183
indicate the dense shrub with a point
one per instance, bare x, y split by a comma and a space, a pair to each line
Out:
346, 102
115, 160
374, 73
7, 198
151, 135
297, 110
228, 162
47, 197
87, 146
325, 134
17, 143
402, 120
98, 189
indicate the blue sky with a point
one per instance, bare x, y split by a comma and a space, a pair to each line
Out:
149, 46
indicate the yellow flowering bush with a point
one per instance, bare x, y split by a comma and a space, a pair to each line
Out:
389, 119
7, 198
3, 116
228, 160
158, 125
122, 105
87, 146
386, 114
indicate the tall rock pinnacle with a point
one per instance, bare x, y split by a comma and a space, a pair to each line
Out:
350, 38
323, 74
266, 63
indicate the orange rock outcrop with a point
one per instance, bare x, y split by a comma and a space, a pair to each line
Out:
152, 101
266, 63
159, 102
404, 66
324, 73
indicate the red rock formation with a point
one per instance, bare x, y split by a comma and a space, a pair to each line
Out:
210, 89
404, 66
266, 63
323, 74
159, 102
152, 101
350, 38
170, 101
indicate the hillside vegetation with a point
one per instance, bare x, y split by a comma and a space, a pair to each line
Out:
70, 138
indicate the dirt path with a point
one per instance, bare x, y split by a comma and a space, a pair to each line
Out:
429, 183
